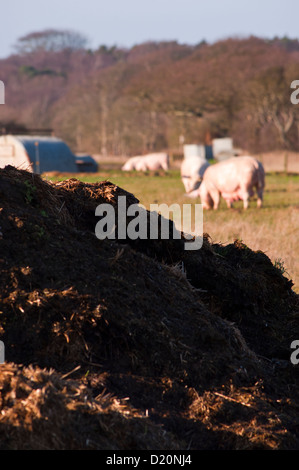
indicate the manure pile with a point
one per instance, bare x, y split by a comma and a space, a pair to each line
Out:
136, 345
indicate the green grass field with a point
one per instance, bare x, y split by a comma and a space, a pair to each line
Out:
274, 229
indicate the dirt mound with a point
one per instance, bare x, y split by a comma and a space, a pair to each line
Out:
244, 287
120, 344
38, 407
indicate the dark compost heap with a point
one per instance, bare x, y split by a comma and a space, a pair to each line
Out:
136, 344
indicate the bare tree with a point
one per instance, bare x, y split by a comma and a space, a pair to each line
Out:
50, 40
268, 102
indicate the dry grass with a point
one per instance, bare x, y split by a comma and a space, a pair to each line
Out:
274, 229
277, 238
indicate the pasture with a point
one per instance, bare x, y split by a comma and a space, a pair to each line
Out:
274, 229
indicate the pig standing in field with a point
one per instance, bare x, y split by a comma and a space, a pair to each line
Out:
152, 161
192, 171
233, 179
130, 164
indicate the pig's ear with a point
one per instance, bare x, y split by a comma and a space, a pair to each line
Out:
198, 183
200, 180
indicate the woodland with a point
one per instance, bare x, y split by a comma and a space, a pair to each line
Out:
154, 96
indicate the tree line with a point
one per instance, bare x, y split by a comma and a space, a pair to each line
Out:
154, 96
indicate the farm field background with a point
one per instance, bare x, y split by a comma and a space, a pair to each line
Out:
274, 229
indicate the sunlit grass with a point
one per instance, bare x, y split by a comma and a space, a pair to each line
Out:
274, 229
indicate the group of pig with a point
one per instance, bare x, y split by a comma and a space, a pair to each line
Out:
236, 178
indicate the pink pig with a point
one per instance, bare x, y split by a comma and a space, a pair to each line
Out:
233, 179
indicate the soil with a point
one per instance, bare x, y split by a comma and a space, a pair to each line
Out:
136, 344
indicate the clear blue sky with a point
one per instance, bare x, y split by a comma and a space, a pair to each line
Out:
129, 22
